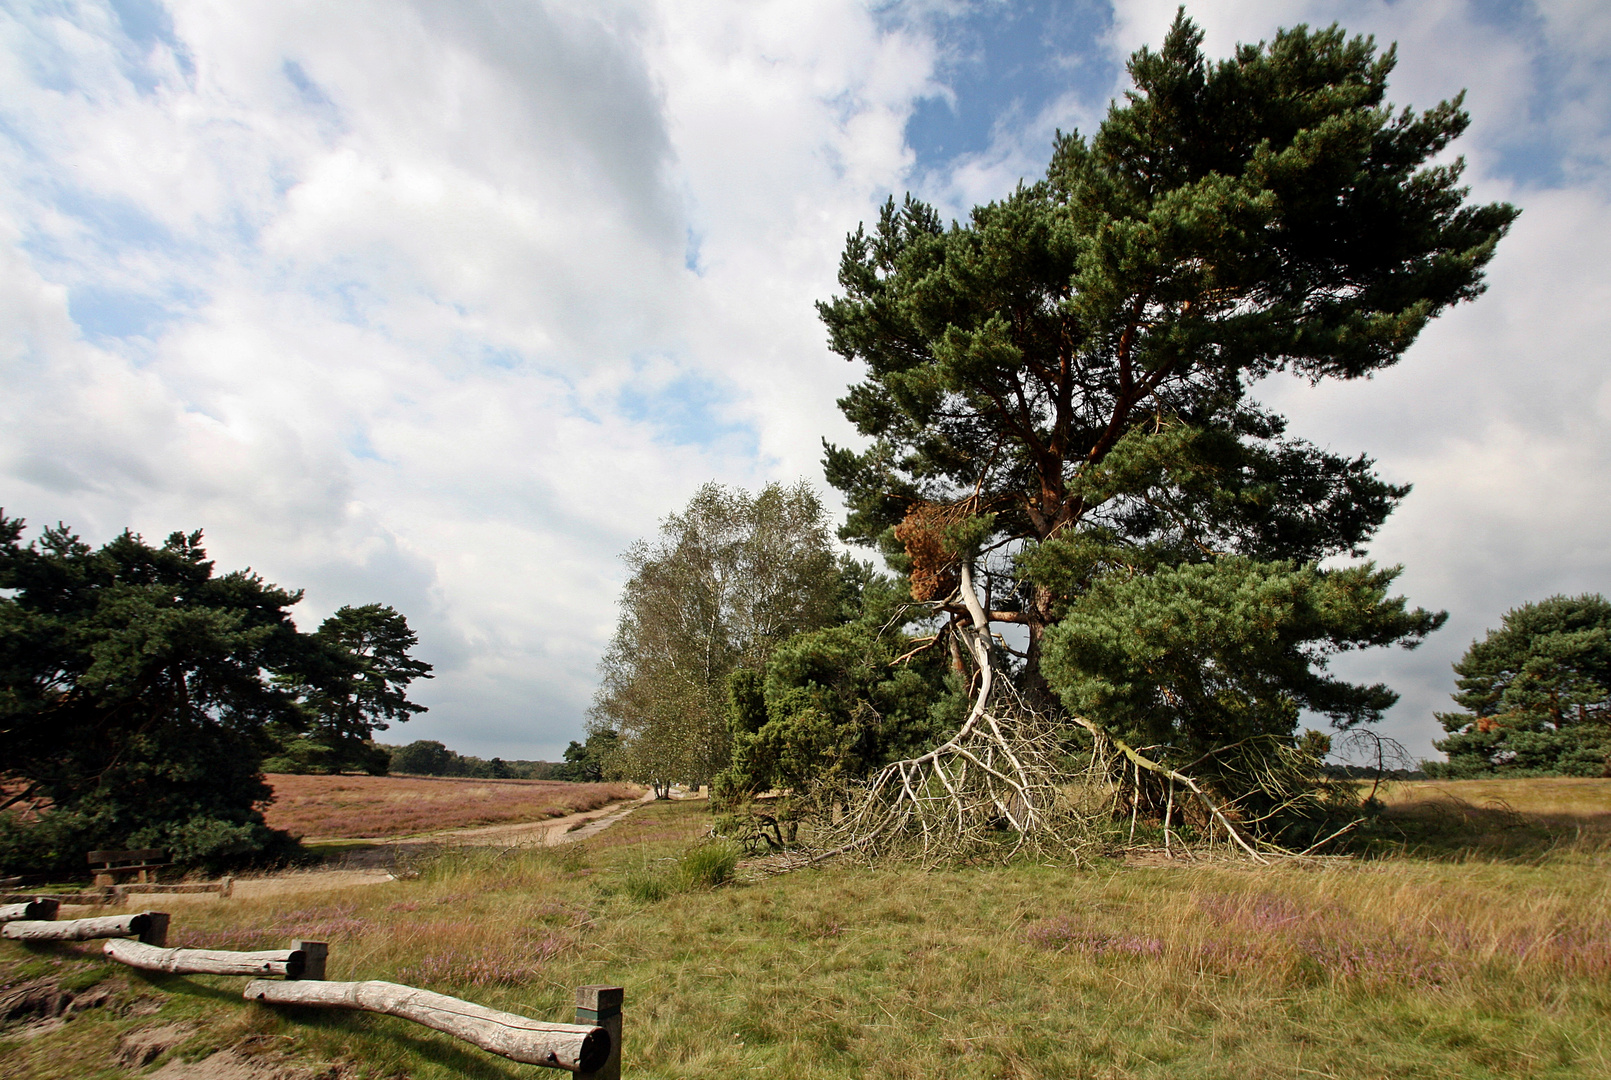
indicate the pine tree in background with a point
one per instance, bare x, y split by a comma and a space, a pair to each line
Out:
352, 683
140, 694
1535, 695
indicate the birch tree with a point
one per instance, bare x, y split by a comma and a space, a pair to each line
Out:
722, 584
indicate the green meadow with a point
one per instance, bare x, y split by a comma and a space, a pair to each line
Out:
1471, 937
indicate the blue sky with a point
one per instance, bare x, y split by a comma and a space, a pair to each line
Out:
444, 303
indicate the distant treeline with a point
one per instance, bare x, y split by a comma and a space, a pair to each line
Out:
1370, 772
427, 757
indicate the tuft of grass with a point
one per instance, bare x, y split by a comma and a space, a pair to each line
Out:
648, 884
705, 866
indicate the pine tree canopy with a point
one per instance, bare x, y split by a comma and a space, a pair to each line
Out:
1078, 356
140, 693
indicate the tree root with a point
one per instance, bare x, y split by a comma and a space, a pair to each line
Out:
1006, 784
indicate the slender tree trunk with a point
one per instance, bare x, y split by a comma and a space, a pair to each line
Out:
1037, 692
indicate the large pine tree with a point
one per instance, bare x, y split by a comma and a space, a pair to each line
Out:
1074, 362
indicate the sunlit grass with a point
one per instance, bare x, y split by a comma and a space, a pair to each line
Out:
1394, 966
1517, 819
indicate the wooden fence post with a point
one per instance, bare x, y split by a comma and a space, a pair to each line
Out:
601, 1005
155, 931
317, 953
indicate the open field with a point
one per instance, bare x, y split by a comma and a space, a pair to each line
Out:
1393, 966
1496, 818
1572, 796
328, 807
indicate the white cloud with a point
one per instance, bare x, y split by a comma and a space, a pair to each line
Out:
441, 304
405, 268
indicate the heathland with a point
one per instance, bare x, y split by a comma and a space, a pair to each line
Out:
1472, 937
326, 807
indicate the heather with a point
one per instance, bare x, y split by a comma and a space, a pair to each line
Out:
325, 807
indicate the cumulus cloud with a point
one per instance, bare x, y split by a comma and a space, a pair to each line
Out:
437, 304
443, 303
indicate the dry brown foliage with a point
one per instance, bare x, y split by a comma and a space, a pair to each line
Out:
922, 533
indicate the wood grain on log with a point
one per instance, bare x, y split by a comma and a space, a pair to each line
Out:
108, 926
286, 962
575, 1047
31, 910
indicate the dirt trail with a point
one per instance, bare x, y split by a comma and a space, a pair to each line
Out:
377, 861
545, 833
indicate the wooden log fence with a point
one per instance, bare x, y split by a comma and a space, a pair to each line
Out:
287, 963
29, 910
580, 1048
590, 1048
151, 927
91, 897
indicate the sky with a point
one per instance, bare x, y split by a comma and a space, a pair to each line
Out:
443, 303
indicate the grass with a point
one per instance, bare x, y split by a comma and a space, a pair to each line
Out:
327, 807
1396, 966
1515, 819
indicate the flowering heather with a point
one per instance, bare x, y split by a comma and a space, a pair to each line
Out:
326, 923
1380, 961
1265, 936
330, 807
1260, 912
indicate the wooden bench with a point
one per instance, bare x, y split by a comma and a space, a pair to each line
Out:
143, 862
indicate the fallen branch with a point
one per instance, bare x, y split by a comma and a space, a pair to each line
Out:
1142, 762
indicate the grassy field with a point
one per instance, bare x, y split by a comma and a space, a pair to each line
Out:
1496, 818
1428, 959
323, 807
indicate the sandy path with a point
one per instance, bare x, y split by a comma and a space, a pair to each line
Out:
374, 864
545, 833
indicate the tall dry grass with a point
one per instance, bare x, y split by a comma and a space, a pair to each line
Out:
1498, 818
